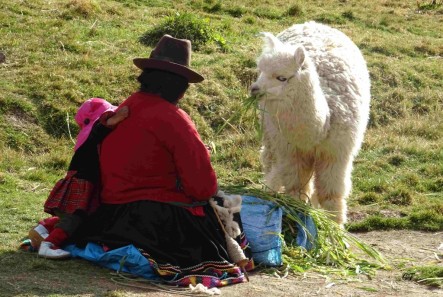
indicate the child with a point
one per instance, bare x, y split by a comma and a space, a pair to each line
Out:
76, 195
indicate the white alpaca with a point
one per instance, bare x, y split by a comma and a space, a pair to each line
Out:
315, 93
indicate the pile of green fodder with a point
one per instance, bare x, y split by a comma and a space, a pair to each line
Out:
335, 250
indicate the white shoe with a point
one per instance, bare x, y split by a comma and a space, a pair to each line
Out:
46, 250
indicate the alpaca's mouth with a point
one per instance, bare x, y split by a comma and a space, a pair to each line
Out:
256, 94
255, 91
260, 94
269, 98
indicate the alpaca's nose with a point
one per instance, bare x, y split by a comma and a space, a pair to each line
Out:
255, 89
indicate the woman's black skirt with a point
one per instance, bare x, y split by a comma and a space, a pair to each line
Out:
182, 248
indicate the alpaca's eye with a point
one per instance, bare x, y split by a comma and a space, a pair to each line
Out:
281, 78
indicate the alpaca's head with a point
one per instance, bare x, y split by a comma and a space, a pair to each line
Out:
278, 65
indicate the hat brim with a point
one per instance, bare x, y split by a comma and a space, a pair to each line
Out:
83, 134
189, 74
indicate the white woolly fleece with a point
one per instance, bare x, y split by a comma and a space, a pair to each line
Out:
315, 94
231, 205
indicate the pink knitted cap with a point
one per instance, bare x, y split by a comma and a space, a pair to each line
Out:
88, 113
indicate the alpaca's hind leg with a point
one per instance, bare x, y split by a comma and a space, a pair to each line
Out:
314, 199
333, 185
297, 175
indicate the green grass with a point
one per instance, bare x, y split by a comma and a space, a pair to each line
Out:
60, 53
429, 275
185, 26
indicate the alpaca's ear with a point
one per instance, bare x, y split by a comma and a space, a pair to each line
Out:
300, 55
270, 40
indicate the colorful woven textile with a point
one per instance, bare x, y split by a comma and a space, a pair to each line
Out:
210, 273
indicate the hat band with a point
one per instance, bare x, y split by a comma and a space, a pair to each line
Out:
168, 59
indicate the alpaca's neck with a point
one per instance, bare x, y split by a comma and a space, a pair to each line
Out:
302, 111
308, 96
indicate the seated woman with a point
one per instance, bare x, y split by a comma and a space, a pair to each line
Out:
157, 179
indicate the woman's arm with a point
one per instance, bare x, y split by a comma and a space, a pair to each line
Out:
196, 176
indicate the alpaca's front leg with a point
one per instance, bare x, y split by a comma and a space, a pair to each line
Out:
297, 176
333, 185
273, 178
267, 158
270, 164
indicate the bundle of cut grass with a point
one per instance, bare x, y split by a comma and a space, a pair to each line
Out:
335, 250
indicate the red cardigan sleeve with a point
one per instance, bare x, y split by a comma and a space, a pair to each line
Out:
192, 161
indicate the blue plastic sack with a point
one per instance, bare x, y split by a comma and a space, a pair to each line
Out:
307, 236
262, 224
126, 259
262, 221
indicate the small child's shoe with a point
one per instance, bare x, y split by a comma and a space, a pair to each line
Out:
37, 235
48, 251
26, 245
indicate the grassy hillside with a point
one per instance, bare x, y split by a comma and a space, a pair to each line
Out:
60, 53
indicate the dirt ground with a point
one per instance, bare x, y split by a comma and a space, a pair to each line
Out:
402, 249
405, 248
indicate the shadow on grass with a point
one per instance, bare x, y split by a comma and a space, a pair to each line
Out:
25, 274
